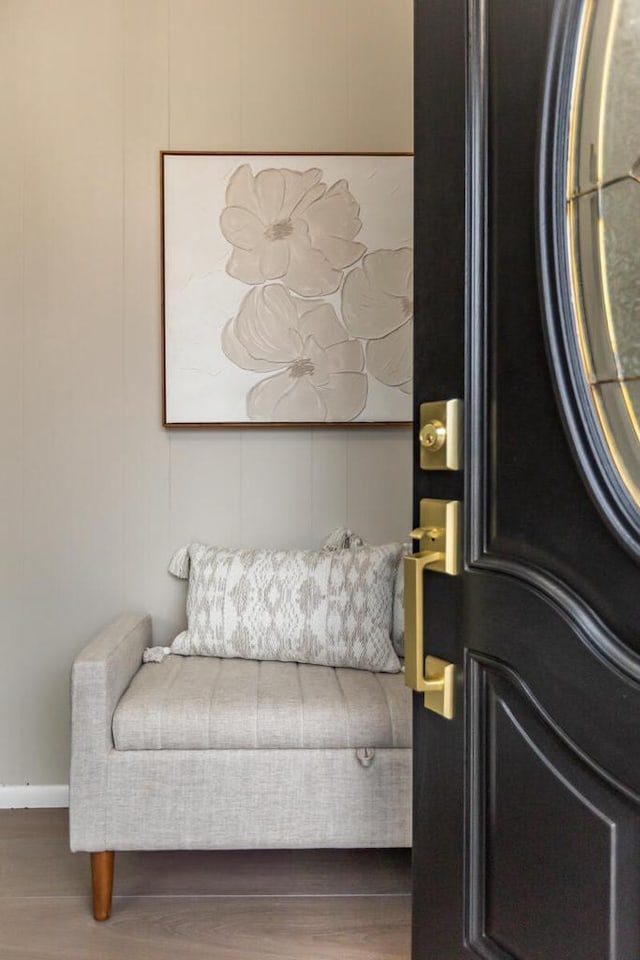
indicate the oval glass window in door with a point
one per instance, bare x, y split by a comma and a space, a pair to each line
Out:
603, 206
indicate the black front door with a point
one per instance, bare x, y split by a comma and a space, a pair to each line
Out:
527, 802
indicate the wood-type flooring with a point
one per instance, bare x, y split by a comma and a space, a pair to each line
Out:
231, 905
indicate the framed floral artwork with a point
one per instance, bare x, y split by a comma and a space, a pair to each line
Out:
287, 289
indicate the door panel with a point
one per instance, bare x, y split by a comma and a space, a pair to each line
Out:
538, 889
526, 804
539, 509
550, 647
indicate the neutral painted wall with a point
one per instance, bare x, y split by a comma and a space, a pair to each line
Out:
94, 493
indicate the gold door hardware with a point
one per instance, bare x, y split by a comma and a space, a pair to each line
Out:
439, 532
441, 435
438, 538
439, 684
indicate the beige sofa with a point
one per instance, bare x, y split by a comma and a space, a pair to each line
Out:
206, 753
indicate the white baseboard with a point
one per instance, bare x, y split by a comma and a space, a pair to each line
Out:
34, 795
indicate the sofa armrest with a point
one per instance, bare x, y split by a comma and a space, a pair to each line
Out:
101, 673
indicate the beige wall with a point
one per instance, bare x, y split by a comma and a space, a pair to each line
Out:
94, 494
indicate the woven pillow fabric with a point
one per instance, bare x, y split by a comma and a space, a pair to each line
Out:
330, 608
343, 539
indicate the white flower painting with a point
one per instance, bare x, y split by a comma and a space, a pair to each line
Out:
288, 289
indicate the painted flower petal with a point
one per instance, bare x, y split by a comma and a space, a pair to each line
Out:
241, 189
318, 357
315, 193
274, 259
239, 355
301, 189
241, 228
391, 271
344, 357
266, 324
270, 191
303, 403
262, 399
245, 265
390, 359
334, 215
283, 398
369, 310
317, 319
309, 273
339, 253
345, 395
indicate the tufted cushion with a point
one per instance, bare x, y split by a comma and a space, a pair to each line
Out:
203, 703
332, 608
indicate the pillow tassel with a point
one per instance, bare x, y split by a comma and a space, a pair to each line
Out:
155, 654
179, 565
342, 539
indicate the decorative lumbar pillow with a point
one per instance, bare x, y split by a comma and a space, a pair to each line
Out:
397, 621
343, 539
326, 607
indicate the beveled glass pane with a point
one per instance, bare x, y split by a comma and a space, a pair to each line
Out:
619, 406
621, 106
620, 217
603, 221
631, 389
584, 159
606, 127
590, 292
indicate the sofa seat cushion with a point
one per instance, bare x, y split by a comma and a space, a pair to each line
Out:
212, 703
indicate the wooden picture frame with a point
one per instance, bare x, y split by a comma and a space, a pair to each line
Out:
287, 289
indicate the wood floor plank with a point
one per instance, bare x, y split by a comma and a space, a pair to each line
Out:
35, 861
236, 905
31, 868
256, 872
313, 928
48, 824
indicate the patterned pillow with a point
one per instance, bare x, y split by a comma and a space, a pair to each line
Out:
331, 608
343, 539
397, 625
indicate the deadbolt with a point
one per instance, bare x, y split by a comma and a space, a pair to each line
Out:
440, 435
433, 435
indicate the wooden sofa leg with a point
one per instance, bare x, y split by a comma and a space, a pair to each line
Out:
102, 883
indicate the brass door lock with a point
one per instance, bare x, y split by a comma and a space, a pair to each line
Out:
433, 435
440, 435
